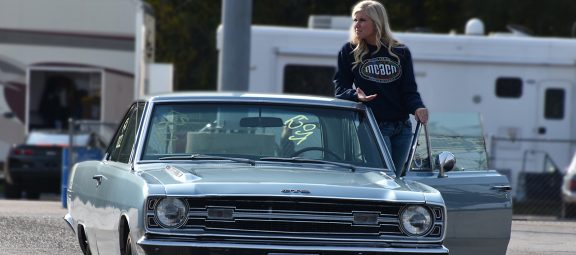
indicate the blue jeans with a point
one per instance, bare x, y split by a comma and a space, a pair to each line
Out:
397, 135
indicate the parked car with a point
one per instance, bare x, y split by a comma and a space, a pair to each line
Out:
36, 165
276, 174
569, 191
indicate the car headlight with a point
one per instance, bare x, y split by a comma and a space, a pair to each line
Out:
171, 212
416, 220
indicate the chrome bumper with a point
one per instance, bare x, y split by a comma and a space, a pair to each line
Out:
167, 246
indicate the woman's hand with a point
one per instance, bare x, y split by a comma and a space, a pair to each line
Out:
362, 97
421, 115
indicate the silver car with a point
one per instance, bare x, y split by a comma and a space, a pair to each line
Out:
277, 174
569, 191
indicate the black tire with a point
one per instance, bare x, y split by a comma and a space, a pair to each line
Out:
129, 248
83, 242
32, 194
12, 191
568, 210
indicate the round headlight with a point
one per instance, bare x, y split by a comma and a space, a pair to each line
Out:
415, 220
171, 212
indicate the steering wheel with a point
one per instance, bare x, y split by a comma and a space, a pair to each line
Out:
327, 151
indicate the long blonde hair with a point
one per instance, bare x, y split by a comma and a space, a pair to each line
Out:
377, 13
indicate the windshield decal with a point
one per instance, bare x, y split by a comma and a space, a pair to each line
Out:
301, 131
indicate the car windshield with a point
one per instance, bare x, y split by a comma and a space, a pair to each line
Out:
260, 131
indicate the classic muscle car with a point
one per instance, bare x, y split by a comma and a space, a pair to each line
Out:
214, 173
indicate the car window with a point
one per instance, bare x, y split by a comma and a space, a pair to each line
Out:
57, 139
121, 146
256, 131
459, 133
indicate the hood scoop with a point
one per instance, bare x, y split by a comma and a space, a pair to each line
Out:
181, 176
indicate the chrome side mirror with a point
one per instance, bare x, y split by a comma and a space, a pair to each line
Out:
445, 161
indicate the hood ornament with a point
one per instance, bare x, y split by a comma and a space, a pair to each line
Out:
296, 191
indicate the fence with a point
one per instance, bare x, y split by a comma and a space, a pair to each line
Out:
536, 168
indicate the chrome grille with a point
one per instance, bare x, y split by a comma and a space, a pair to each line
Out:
300, 216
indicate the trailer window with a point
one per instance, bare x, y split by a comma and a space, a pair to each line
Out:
508, 87
554, 104
309, 79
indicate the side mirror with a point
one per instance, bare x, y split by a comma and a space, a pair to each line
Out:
446, 162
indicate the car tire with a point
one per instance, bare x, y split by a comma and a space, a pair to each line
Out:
83, 241
12, 191
130, 249
32, 194
568, 210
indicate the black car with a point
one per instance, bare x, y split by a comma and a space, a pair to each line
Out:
36, 166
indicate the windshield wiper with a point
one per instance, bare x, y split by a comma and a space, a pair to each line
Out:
208, 157
305, 160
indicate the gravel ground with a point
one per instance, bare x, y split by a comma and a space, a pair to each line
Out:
35, 228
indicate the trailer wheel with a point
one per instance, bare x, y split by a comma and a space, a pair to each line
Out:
12, 191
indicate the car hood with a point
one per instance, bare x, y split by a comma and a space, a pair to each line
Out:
282, 180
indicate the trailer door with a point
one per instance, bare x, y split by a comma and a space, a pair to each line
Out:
477, 199
554, 113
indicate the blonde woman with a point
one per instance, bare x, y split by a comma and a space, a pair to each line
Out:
375, 69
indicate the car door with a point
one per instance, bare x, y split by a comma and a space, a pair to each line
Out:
478, 200
114, 181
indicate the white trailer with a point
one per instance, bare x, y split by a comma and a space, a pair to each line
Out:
89, 55
522, 86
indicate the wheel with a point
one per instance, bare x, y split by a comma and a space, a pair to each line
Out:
568, 210
129, 248
327, 151
83, 241
12, 191
32, 194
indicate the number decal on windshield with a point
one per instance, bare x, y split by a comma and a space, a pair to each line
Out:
301, 130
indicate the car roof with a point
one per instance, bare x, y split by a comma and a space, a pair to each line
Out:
223, 97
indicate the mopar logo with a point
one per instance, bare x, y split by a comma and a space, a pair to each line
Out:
301, 191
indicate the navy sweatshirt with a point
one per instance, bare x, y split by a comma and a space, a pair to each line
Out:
380, 74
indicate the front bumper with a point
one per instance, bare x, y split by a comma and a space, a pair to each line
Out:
177, 246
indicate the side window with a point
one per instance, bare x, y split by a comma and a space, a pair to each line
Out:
508, 87
554, 104
456, 132
309, 80
121, 146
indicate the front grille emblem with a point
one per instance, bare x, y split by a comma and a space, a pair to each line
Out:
296, 191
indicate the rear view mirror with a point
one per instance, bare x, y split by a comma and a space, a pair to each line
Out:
261, 122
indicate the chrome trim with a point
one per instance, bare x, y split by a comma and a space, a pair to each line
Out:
381, 232
70, 221
183, 243
254, 237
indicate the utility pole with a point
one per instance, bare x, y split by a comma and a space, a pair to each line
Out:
234, 60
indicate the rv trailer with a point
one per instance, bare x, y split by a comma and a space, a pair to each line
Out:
522, 86
80, 59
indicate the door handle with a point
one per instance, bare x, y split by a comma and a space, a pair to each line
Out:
502, 188
98, 179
